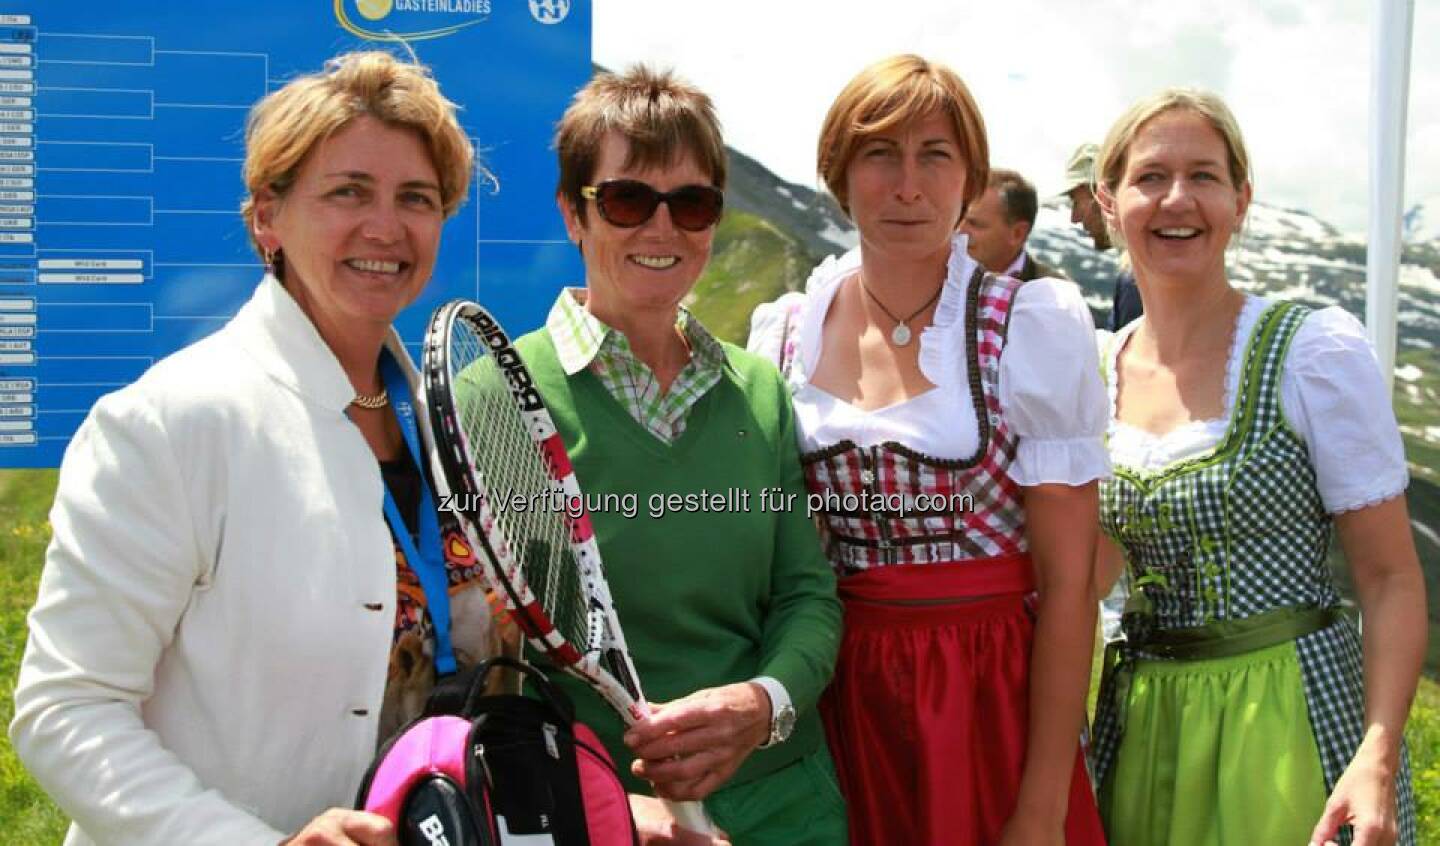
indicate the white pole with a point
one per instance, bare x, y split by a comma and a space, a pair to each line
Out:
1389, 95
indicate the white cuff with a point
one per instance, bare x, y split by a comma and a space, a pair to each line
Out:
1060, 461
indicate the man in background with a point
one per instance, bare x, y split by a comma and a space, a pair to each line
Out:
999, 223
1125, 305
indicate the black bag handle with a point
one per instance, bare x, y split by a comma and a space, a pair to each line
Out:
460, 693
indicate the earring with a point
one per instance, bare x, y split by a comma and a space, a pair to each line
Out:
272, 261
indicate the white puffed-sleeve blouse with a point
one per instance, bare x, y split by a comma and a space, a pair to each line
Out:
1050, 388
1332, 396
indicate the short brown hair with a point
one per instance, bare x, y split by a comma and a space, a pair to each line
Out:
891, 92
1017, 195
287, 124
662, 116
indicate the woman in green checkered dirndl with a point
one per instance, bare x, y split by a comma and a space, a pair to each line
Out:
1234, 709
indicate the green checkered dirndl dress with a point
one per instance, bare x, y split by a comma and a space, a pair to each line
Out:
1211, 544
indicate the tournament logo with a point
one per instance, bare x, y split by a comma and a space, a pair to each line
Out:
413, 20
549, 11
374, 10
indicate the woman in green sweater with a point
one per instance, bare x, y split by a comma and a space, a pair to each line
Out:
687, 446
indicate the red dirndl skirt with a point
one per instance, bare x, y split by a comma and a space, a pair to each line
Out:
927, 714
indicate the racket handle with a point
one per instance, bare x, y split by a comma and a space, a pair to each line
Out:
692, 815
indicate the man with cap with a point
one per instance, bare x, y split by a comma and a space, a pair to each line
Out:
998, 224
1125, 306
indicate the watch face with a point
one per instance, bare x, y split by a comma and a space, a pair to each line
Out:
784, 724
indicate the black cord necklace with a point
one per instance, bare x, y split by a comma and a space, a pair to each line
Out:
900, 335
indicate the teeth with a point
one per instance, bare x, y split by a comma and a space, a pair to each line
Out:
656, 262
1177, 232
374, 266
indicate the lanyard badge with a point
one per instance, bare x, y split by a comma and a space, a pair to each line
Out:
423, 549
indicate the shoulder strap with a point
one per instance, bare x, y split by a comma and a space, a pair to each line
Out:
460, 693
1258, 401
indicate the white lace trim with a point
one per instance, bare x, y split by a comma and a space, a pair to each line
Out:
1141, 448
1374, 499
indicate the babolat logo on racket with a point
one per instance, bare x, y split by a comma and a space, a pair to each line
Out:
509, 360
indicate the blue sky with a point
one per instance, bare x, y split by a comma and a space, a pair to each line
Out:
1050, 74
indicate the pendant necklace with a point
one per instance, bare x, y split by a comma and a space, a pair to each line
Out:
900, 335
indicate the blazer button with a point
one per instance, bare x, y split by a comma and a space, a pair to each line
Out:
359, 712
374, 606
867, 477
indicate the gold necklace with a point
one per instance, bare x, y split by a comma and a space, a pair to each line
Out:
900, 335
372, 401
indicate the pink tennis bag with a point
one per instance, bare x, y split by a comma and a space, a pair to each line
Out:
477, 770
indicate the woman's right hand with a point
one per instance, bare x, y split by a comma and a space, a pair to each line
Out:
345, 827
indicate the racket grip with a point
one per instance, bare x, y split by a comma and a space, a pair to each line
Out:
692, 815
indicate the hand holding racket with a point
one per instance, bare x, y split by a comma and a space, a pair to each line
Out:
494, 437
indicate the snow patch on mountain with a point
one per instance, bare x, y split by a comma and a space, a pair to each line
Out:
845, 239
1277, 224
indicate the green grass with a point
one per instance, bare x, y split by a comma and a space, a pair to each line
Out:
29, 817
25, 495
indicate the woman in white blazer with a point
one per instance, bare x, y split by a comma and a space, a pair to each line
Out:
207, 659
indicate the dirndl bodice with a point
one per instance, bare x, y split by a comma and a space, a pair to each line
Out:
886, 504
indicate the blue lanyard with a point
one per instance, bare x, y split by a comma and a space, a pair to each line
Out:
423, 550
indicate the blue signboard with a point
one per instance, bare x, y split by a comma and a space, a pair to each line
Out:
121, 140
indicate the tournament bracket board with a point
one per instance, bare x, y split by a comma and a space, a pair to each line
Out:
121, 140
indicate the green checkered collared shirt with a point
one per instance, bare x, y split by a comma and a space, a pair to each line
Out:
582, 340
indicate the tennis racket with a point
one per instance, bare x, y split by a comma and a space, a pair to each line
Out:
503, 461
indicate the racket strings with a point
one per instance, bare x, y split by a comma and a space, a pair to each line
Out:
523, 497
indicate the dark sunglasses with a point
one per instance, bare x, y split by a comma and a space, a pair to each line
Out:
627, 203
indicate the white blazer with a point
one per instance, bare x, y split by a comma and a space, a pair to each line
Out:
208, 651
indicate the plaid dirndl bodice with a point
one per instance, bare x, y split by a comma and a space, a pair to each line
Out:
1234, 533
888, 504
1239, 530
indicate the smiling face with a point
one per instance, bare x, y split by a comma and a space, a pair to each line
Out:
641, 272
1175, 204
359, 227
906, 188
995, 241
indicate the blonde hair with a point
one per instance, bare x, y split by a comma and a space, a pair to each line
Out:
891, 92
1111, 161
286, 125
660, 115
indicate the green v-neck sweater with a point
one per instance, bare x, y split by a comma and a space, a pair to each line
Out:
712, 585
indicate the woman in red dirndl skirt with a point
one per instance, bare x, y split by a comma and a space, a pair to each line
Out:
951, 422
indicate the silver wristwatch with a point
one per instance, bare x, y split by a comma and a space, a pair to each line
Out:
782, 723
782, 713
